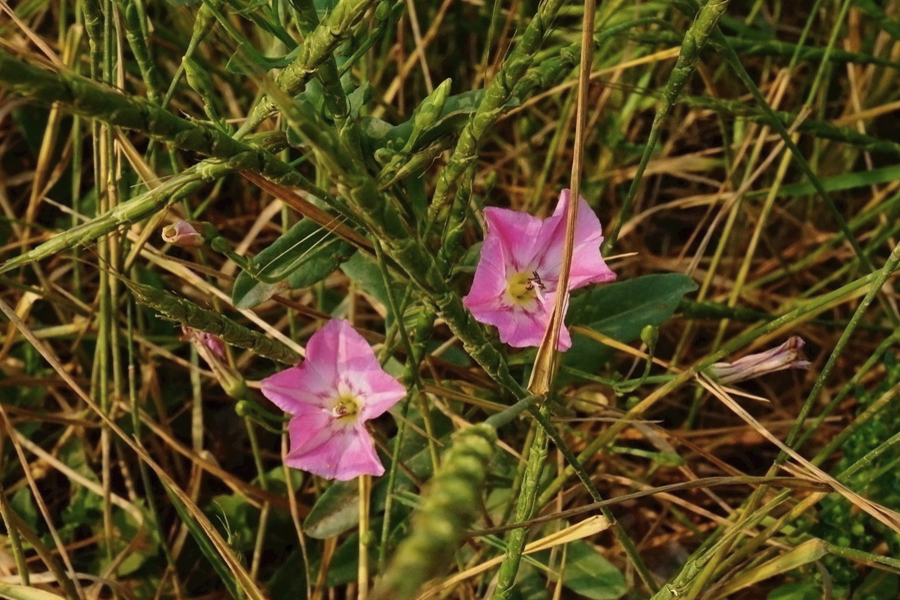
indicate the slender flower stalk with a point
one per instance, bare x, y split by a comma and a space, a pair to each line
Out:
212, 349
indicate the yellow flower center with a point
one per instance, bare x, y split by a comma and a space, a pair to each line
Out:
524, 287
345, 408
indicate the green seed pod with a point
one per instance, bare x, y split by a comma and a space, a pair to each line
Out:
449, 507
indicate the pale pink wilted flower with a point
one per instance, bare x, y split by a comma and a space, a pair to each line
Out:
330, 396
516, 279
788, 355
212, 349
182, 234
207, 340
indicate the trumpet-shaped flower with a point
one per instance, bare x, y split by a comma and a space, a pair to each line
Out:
516, 280
330, 396
788, 355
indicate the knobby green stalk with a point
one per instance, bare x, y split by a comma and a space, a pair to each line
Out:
449, 506
87, 98
525, 510
187, 313
318, 47
134, 32
332, 91
491, 107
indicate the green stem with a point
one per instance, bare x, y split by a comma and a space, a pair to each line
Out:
694, 40
15, 542
318, 47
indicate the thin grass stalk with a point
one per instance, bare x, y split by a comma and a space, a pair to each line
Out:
694, 40
15, 541
807, 309
264, 484
362, 573
489, 110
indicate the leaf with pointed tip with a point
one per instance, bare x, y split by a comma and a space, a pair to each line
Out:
305, 255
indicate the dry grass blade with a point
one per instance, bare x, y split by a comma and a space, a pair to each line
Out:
579, 531
309, 210
544, 363
225, 551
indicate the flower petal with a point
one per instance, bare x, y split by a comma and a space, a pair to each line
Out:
489, 285
296, 389
517, 233
588, 265
324, 448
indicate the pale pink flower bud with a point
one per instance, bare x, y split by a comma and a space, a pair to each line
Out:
182, 234
788, 355
212, 349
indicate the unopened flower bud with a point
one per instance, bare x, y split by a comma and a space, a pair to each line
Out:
788, 355
182, 234
212, 349
650, 335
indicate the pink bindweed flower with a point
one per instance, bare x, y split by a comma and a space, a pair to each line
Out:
788, 355
330, 396
182, 234
517, 276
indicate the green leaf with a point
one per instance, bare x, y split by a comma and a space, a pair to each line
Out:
587, 573
305, 255
206, 546
336, 511
620, 311
591, 575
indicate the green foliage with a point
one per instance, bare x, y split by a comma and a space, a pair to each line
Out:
587, 573
401, 119
621, 310
839, 522
301, 257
